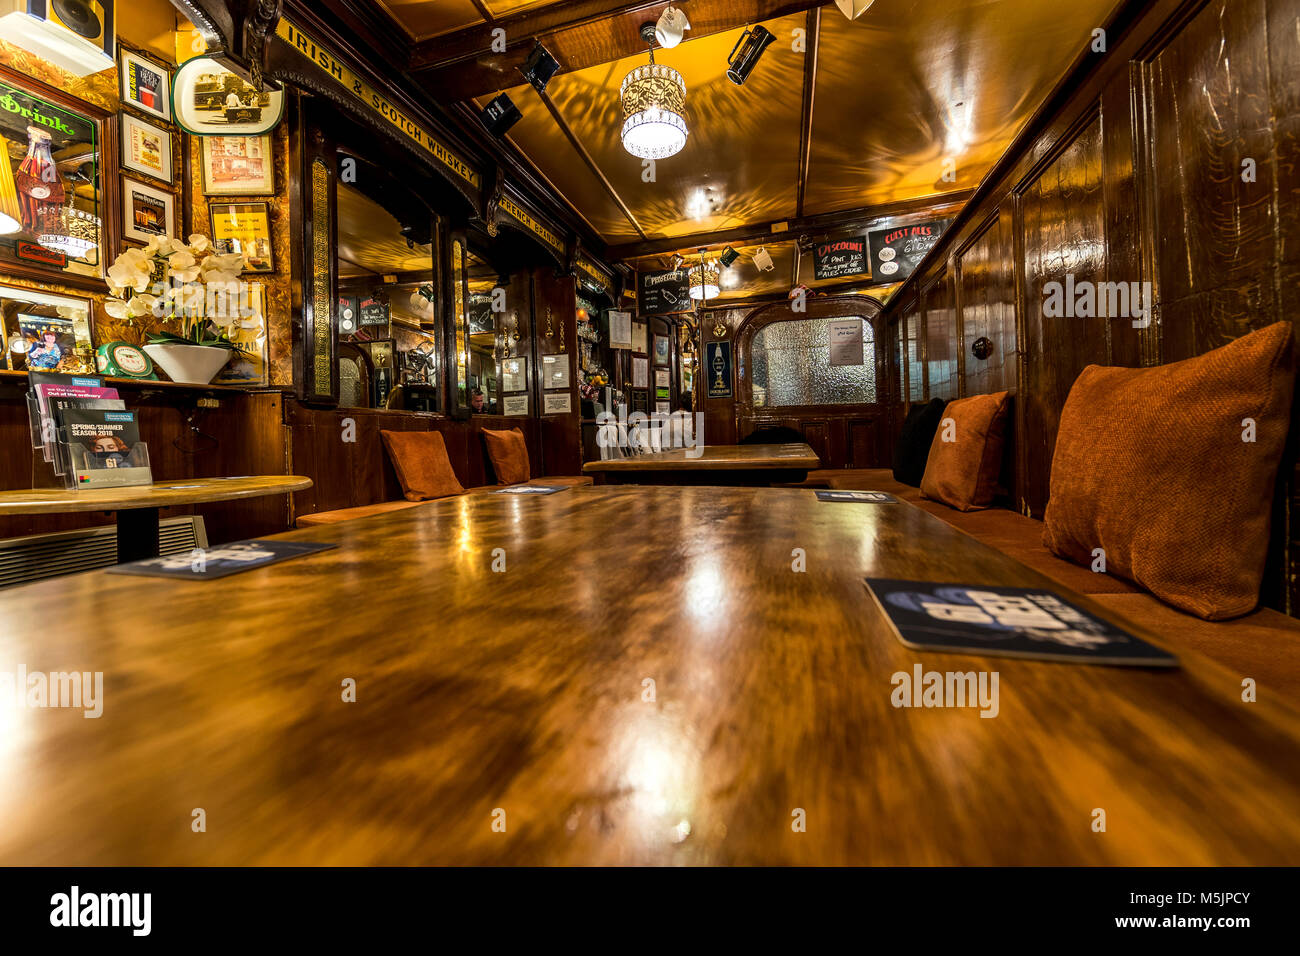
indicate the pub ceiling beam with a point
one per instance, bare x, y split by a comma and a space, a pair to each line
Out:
836, 222
462, 65
814, 30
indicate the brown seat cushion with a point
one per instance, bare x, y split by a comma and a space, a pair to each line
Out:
347, 514
509, 454
422, 466
1263, 645
1151, 467
963, 473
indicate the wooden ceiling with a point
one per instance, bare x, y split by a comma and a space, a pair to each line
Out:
864, 117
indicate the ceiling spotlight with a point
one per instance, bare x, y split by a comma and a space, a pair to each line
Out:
729, 255
654, 107
539, 67
670, 28
745, 54
853, 8
763, 259
501, 114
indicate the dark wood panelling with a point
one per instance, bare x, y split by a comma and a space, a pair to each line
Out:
1063, 225
1132, 172
1207, 94
987, 302
942, 343
560, 435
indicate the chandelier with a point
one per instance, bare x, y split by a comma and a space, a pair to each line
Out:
654, 107
705, 278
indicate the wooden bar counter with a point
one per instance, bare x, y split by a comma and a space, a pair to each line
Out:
603, 719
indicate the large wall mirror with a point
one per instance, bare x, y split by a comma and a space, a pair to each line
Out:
389, 325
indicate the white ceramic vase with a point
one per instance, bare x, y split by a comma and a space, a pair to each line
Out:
189, 364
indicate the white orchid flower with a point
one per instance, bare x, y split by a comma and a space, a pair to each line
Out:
117, 308
199, 243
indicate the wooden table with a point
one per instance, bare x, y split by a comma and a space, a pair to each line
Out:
137, 507
710, 465
526, 691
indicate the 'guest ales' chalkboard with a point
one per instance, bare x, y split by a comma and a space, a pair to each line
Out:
374, 311
659, 293
840, 257
895, 253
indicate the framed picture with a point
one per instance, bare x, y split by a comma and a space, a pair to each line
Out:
244, 227
248, 365
210, 100
661, 378
663, 347
51, 194
146, 148
238, 166
640, 372
47, 332
147, 213
146, 85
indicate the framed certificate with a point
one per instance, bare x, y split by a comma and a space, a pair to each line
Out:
640, 372
146, 148
514, 374
555, 371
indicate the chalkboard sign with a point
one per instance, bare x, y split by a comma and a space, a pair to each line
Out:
895, 253
480, 314
841, 257
374, 312
661, 293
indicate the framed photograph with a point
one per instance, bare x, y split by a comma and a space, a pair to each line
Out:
52, 210
238, 166
50, 333
146, 148
147, 212
661, 378
663, 349
210, 100
243, 227
247, 366
146, 85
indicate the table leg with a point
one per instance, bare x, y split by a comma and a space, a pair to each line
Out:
137, 534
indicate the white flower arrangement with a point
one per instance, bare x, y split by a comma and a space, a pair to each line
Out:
186, 283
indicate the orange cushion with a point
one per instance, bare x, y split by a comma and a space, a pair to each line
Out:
1151, 467
962, 471
422, 466
509, 454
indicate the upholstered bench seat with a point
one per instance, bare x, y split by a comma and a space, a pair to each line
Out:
1264, 645
347, 514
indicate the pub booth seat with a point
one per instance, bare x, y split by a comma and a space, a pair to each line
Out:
422, 466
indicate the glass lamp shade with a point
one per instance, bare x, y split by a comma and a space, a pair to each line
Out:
654, 111
705, 280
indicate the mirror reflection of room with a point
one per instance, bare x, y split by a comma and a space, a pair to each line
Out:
494, 336
389, 348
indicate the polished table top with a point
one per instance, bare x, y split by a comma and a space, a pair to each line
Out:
715, 458
526, 691
161, 494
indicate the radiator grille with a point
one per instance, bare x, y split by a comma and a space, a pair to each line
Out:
39, 556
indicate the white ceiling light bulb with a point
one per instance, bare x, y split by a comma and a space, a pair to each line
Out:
671, 28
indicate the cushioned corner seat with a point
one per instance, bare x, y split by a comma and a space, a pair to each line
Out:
347, 514
1264, 645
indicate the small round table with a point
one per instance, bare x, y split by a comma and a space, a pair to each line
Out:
137, 507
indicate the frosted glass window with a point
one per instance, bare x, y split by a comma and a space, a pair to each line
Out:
792, 366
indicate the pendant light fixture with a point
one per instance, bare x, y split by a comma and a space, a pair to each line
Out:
705, 279
654, 107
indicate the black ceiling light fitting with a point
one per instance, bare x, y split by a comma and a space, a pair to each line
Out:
539, 67
745, 54
501, 114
